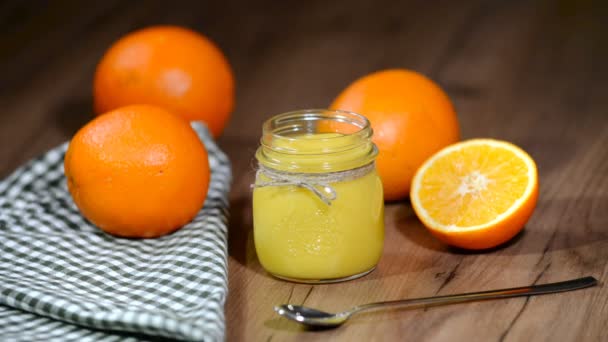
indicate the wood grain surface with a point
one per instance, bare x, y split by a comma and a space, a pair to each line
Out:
531, 72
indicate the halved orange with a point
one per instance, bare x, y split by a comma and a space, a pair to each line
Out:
476, 194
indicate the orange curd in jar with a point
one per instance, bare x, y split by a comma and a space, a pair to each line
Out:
318, 208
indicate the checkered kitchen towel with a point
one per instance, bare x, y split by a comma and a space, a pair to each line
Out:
62, 279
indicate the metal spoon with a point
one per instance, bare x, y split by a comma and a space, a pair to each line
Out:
317, 318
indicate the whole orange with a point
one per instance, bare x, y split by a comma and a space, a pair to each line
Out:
168, 66
412, 118
137, 171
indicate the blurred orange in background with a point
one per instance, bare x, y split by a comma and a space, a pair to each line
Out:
412, 118
168, 66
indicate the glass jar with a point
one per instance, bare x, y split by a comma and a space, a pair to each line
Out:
318, 208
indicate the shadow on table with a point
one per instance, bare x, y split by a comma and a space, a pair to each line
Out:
72, 114
240, 236
283, 324
555, 225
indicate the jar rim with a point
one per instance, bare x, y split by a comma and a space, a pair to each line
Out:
289, 141
312, 113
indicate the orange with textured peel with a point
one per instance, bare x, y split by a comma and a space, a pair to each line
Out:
137, 171
171, 67
412, 118
476, 194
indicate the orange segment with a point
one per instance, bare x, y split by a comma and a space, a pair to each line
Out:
476, 194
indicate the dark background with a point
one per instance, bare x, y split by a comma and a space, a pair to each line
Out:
531, 72
492, 57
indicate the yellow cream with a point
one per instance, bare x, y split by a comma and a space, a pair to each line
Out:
300, 237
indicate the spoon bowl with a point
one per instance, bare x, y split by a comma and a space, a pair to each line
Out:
310, 316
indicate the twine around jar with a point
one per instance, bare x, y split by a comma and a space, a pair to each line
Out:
317, 183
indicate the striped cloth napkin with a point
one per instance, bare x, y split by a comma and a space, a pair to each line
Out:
63, 279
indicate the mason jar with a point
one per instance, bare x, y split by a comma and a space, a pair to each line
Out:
318, 208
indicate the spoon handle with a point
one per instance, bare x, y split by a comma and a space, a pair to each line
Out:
568, 285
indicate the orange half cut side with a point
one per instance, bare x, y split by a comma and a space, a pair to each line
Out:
476, 194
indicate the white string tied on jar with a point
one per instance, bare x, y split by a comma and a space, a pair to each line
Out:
317, 183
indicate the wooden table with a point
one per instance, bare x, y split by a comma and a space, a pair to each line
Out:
531, 72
